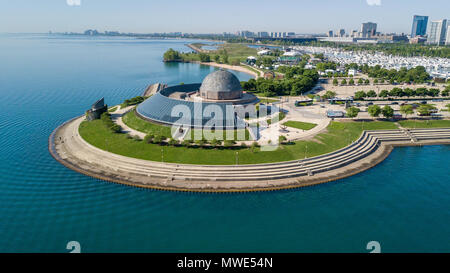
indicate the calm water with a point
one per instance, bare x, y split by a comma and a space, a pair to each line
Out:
403, 203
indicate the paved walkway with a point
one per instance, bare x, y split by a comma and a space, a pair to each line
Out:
70, 149
117, 118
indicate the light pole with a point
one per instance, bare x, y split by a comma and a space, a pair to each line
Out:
162, 154
306, 149
237, 158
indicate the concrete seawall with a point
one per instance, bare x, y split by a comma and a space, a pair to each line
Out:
67, 147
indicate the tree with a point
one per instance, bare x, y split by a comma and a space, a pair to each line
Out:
360, 95
360, 81
335, 82
157, 139
367, 82
172, 142
387, 112
383, 94
204, 57
406, 110
216, 58
215, 142
374, 111
425, 109
186, 143
329, 95
171, 55
351, 82
282, 139
371, 94
148, 138
344, 82
352, 112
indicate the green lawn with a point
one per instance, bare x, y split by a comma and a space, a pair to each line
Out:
136, 123
339, 135
377, 125
425, 124
300, 125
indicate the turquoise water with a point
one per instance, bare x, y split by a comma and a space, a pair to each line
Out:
403, 203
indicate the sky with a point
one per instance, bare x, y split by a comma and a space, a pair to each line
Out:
214, 16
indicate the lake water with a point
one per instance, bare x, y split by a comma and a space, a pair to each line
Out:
403, 203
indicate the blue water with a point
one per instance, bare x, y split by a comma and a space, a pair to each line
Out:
403, 203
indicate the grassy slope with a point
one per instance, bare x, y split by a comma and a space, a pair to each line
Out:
425, 124
300, 125
141, 125
339, 135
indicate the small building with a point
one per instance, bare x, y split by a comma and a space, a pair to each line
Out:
314, 60
97, 109
352, 72
335, 114
263, 52
289, 60
251, 60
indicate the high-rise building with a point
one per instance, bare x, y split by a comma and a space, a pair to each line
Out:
419, 26
368, 29
437, 31
447, 40
342, 32
330, 33
263, 34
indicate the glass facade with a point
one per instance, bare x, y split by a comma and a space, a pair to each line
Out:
419, 26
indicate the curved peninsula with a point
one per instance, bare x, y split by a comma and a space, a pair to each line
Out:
277, 157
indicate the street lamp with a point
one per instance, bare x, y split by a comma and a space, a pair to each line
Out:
162, 154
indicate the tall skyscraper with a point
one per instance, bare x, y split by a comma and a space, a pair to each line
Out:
436, 34
419, 26
342, 32
447, 40
330, 33
368, 29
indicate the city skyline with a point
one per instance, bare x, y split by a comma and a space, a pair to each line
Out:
231, 16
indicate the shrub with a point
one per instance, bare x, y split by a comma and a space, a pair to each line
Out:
172, 142
157, 139
148, 138
228, 143
116, 128
137, 138
186, 143
215, 142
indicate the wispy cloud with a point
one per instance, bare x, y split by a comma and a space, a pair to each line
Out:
73, 2
374, 2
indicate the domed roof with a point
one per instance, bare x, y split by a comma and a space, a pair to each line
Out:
220, 81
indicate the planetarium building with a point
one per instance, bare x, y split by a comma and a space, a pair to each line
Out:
218, 100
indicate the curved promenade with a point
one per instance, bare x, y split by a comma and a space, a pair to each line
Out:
66, 146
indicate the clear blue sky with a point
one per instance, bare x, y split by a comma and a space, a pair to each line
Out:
202, 16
